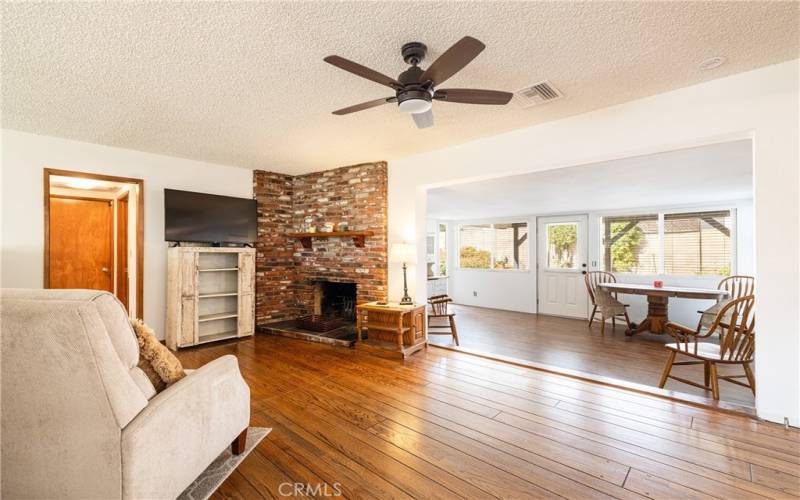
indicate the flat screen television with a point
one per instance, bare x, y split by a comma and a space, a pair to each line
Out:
208, 218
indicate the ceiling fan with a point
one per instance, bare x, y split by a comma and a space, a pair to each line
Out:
415, 88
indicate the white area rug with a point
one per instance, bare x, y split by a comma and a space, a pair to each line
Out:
222, 467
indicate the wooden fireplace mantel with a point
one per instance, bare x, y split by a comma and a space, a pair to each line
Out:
358, 236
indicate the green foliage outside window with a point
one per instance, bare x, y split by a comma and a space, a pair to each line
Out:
624, 252
562, 239
473, 258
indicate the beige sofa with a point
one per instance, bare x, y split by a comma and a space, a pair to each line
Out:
80, 420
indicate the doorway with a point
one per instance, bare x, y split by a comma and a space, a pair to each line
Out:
81, 243
622, 217
562, 258
94, 234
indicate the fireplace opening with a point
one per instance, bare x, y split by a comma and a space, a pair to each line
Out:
332, 317
335, 300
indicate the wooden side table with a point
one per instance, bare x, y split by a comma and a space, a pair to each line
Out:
393, 330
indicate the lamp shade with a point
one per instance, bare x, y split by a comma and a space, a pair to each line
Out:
403, 253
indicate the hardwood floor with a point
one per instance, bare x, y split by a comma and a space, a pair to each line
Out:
569, 343
445, 424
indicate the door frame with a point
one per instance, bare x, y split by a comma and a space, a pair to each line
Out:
543, 255
48, 172
118, 267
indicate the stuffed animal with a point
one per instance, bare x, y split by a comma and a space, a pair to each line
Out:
155, 360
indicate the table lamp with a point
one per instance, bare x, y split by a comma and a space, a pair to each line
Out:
404, 253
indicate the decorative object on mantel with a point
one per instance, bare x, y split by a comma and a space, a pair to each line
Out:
404, 253
327, 227
343, 226
358, 236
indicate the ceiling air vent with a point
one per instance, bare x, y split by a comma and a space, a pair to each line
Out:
538, 93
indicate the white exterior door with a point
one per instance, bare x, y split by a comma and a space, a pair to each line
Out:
562, 254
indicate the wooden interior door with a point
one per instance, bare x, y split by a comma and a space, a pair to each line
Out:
122, 250
81, 243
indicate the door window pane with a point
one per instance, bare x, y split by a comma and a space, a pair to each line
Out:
562, 240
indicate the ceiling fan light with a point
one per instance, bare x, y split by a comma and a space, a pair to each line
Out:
415, 106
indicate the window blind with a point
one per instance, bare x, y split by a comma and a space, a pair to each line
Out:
698, 244
493, 246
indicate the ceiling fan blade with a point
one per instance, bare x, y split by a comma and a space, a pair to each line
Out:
423, 120
473, 96
362, 71
453, 60
364, 105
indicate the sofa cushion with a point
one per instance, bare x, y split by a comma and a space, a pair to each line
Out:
63, 408
112, 314
117, 350
144, 382
125, 396
119, 328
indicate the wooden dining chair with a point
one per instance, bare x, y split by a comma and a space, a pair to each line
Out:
737, 286
439, 310
603, 301
735, 324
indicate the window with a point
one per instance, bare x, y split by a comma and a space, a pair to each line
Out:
698, 244
688, 244
441, 251
562, 238
493, 246
631, 244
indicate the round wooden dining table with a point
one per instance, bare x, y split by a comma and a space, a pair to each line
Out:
658, 301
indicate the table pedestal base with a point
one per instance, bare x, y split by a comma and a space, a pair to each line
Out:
656, 320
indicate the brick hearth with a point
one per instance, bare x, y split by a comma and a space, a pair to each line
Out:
285, 271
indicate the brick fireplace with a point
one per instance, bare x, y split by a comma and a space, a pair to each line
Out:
290, 279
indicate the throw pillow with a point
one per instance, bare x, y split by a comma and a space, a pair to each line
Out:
155, 360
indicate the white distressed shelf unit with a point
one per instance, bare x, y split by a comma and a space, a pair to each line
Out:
210, 294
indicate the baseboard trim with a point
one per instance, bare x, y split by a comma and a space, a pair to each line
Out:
679, 397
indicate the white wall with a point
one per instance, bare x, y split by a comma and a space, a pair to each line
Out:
760, 104
25, 155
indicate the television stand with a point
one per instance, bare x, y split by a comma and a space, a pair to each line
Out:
210, 294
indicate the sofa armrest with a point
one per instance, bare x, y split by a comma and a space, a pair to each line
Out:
183, 429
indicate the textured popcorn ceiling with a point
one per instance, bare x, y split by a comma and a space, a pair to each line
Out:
244, 83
